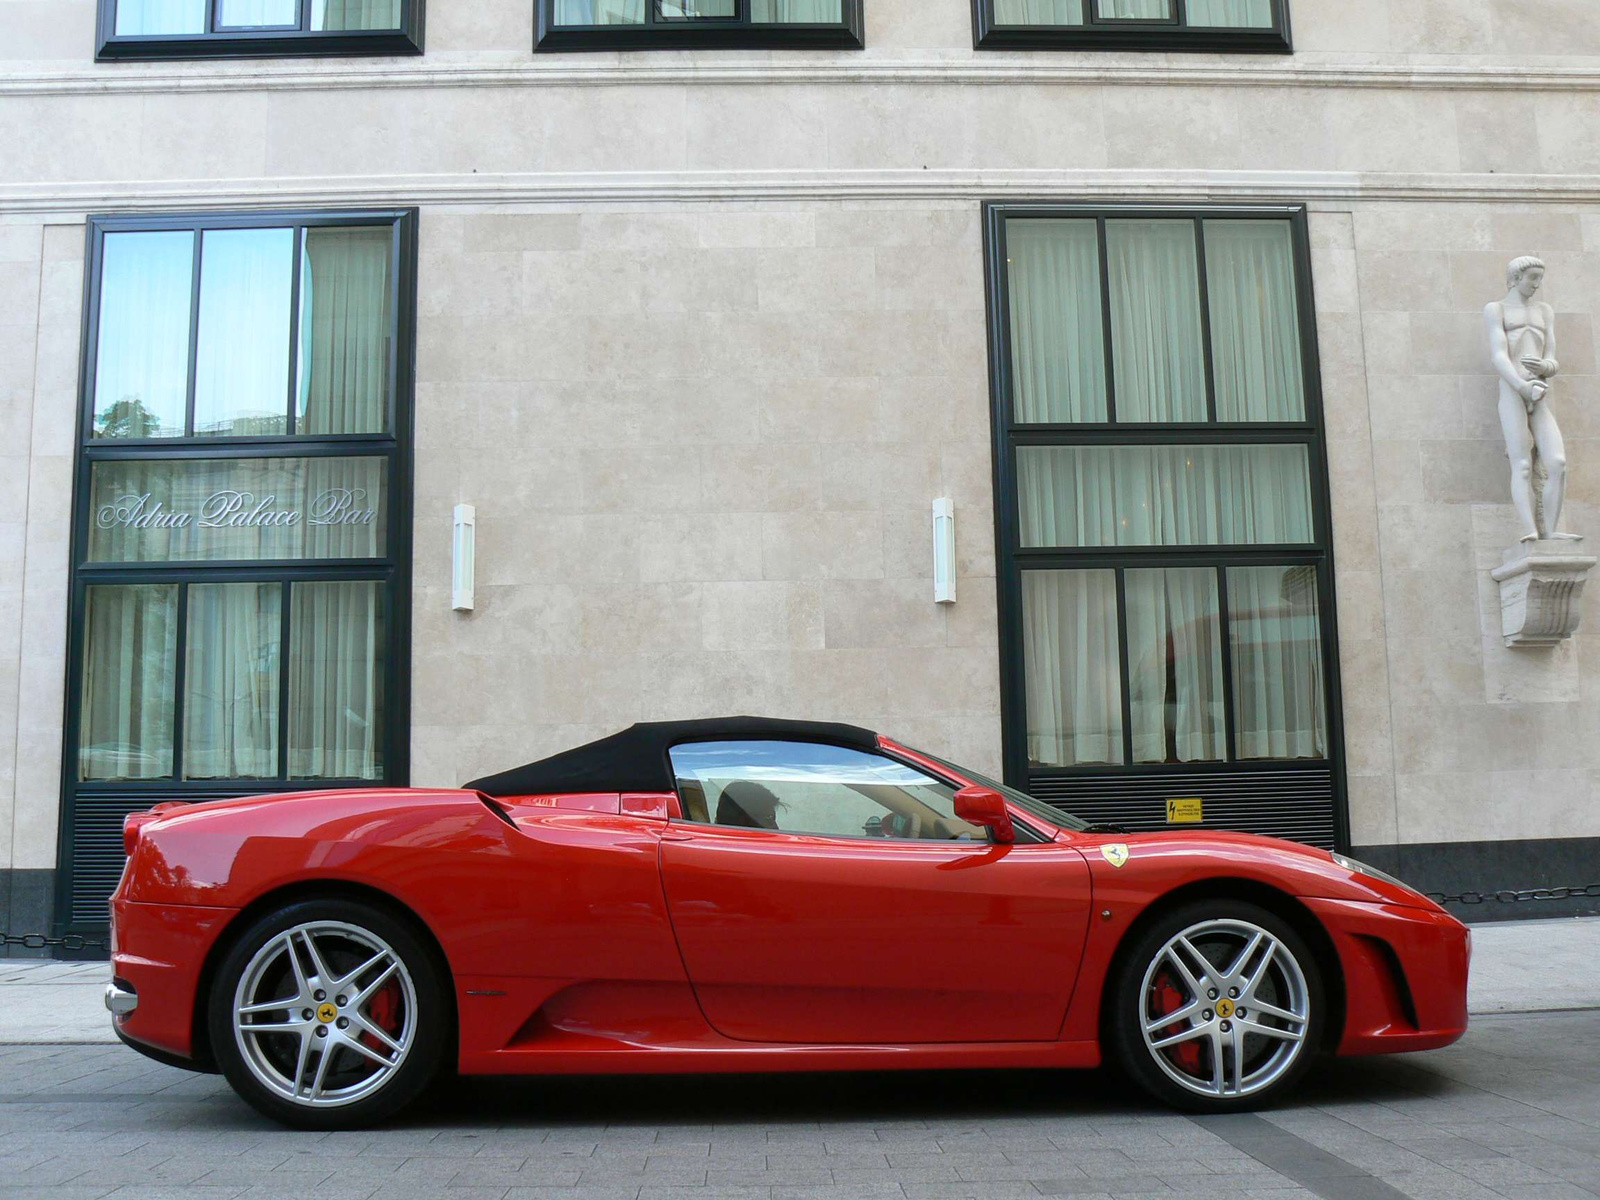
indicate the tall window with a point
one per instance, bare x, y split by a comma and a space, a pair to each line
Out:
709, 24
1163, 516
1260, 26
239, 603
257, 28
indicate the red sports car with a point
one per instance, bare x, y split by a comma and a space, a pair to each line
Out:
749, 895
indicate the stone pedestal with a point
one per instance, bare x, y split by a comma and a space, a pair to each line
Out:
1541, 591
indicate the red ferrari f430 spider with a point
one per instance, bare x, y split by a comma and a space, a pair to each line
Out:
749, 895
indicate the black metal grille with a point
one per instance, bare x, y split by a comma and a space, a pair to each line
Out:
1295, 804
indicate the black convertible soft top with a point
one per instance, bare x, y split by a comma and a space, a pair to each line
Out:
635, 760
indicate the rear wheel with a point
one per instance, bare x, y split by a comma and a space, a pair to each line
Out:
329, 1014
1217, 1007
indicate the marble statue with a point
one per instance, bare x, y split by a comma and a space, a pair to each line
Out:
1522, 343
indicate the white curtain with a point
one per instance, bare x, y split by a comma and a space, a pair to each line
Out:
1251, 14
1276, 631
142, 359
1134, 10
130, 639
1058, 365
1038, 12
1072, 667
236, 13
1155, 321
230, 707
147, 17
336, 657
1164, 495
1175, 665
1255, 322
796, 12
599, 12
345, 326
242, 362
355, 14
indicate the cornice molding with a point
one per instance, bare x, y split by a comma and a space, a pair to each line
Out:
782, 70
807, 186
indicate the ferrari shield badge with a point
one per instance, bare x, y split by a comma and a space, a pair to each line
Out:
1116, 853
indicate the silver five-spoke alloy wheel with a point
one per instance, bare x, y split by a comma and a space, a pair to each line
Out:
325, 1014
1225, 1008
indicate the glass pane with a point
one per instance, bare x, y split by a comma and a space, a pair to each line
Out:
1038, 12
599, 12
197, 509
1160, 368
148, 17
230, 691
249, 14
355, 14
1072, 667
130, 651
1058, 366
242, 366
1276, 634
1175, 665
796, 12
805, 787
346, 323
695, 10
141, 375
1255, 321
336, 654
1235, 14
1164, 495
1133, 10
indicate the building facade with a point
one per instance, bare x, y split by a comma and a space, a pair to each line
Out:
700, 306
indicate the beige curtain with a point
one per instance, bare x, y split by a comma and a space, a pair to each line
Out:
1038, 12
1058, 370
1255, 321
796, 12
355, 14
1276, 634
1072, 667
130, 640
1155, 321
230, 707
1134, 10
336, 713
1248, 14
246, 13
1175, 665
599, 12
346, 320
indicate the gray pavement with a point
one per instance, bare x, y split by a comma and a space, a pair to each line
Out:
1512, 1111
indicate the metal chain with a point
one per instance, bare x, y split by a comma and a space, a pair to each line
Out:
39, 941
1509, 896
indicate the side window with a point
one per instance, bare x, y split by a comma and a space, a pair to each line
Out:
808, 787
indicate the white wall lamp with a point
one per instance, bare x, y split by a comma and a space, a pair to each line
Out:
944, 552
463, 558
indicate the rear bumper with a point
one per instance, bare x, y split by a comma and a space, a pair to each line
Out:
1405, 975
157, 956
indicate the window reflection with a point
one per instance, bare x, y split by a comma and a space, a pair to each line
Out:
242, 363
141, 381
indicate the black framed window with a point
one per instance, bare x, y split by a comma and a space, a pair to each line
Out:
1162, 515
241, 545
257, 28
1259, 26
708, 24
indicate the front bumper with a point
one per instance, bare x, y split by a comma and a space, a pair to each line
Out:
1405, 975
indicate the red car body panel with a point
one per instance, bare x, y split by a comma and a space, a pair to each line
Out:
600, 932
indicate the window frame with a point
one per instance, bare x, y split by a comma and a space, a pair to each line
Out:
264, 42
712, 33
1103, 33
391, 568
1013, 558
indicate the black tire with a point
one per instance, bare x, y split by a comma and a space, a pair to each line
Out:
1129, 1005
421, 984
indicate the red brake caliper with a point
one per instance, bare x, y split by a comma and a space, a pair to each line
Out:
1168, 999
383, 1010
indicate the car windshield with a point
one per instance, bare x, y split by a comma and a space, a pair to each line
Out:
1037, 808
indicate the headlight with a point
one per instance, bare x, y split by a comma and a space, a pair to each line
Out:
1361, 868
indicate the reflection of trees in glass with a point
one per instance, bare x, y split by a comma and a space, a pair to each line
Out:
127, 418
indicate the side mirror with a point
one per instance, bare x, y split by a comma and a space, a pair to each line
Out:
987, 807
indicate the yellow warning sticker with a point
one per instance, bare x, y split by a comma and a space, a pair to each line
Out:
1185, 809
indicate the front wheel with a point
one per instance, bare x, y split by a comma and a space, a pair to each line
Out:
1218, 1006
329, 1014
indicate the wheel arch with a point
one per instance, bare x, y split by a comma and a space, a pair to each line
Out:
1275, 900
294, 893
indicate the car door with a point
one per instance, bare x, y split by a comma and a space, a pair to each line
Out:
823, 894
